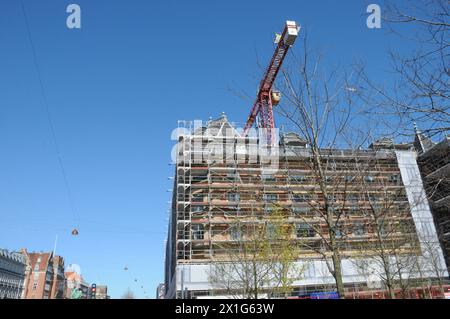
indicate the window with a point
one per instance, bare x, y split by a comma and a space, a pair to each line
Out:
359, 229
36, 267
369, 179
236, 233
39, 260
298, 178
198, 232
35, 286
197, 198
348, 178
394, 179
199, 178
301, 198
338, 232
197, 209
268, 178
270, 209
353, 209
270, 197
231, 174
270, 231
407, 228
372, 198
233, 197
353, 198
304, 230
331, 198
301, 210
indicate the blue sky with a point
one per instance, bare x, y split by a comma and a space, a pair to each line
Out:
115, 91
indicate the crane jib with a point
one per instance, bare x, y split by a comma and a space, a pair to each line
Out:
263, 103
274, 67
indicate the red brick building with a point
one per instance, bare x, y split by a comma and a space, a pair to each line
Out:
58, 286
44, 276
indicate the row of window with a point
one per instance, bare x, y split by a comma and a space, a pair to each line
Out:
299, 178
7, 280
302, 230
9, 293
298, 198
301, 210
11, 266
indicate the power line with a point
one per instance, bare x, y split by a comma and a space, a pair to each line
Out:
49, 118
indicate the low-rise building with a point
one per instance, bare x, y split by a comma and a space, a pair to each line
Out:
43, 278
160, 291
101, 292
76, 286
12, 274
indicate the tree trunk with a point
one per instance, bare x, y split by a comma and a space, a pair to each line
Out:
337, 273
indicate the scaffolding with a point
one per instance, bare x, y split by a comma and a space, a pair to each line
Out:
434, 164
220, 183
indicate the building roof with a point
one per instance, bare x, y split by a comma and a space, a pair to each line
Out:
293, 139
58, 260
75, 277
13, 256
45, 258
443, 145
218, 127
421, 142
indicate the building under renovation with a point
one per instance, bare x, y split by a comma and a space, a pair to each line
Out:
434, 163
224, 179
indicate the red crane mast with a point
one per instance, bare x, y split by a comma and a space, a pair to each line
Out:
264, 99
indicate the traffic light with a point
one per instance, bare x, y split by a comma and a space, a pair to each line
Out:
93, 291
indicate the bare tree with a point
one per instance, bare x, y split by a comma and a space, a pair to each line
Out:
128, 294
421, 89
389, 222
321, 107
261, 261
404, 256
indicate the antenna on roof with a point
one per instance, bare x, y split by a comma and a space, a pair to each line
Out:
54, 247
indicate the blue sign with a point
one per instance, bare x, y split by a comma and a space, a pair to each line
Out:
324, 295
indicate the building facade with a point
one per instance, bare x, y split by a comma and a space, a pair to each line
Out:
101, 292
223, 179
434, 163
59, 281
160, 291
43, 276
76, 286
12, 274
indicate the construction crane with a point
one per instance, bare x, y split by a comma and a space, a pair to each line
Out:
266, 97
